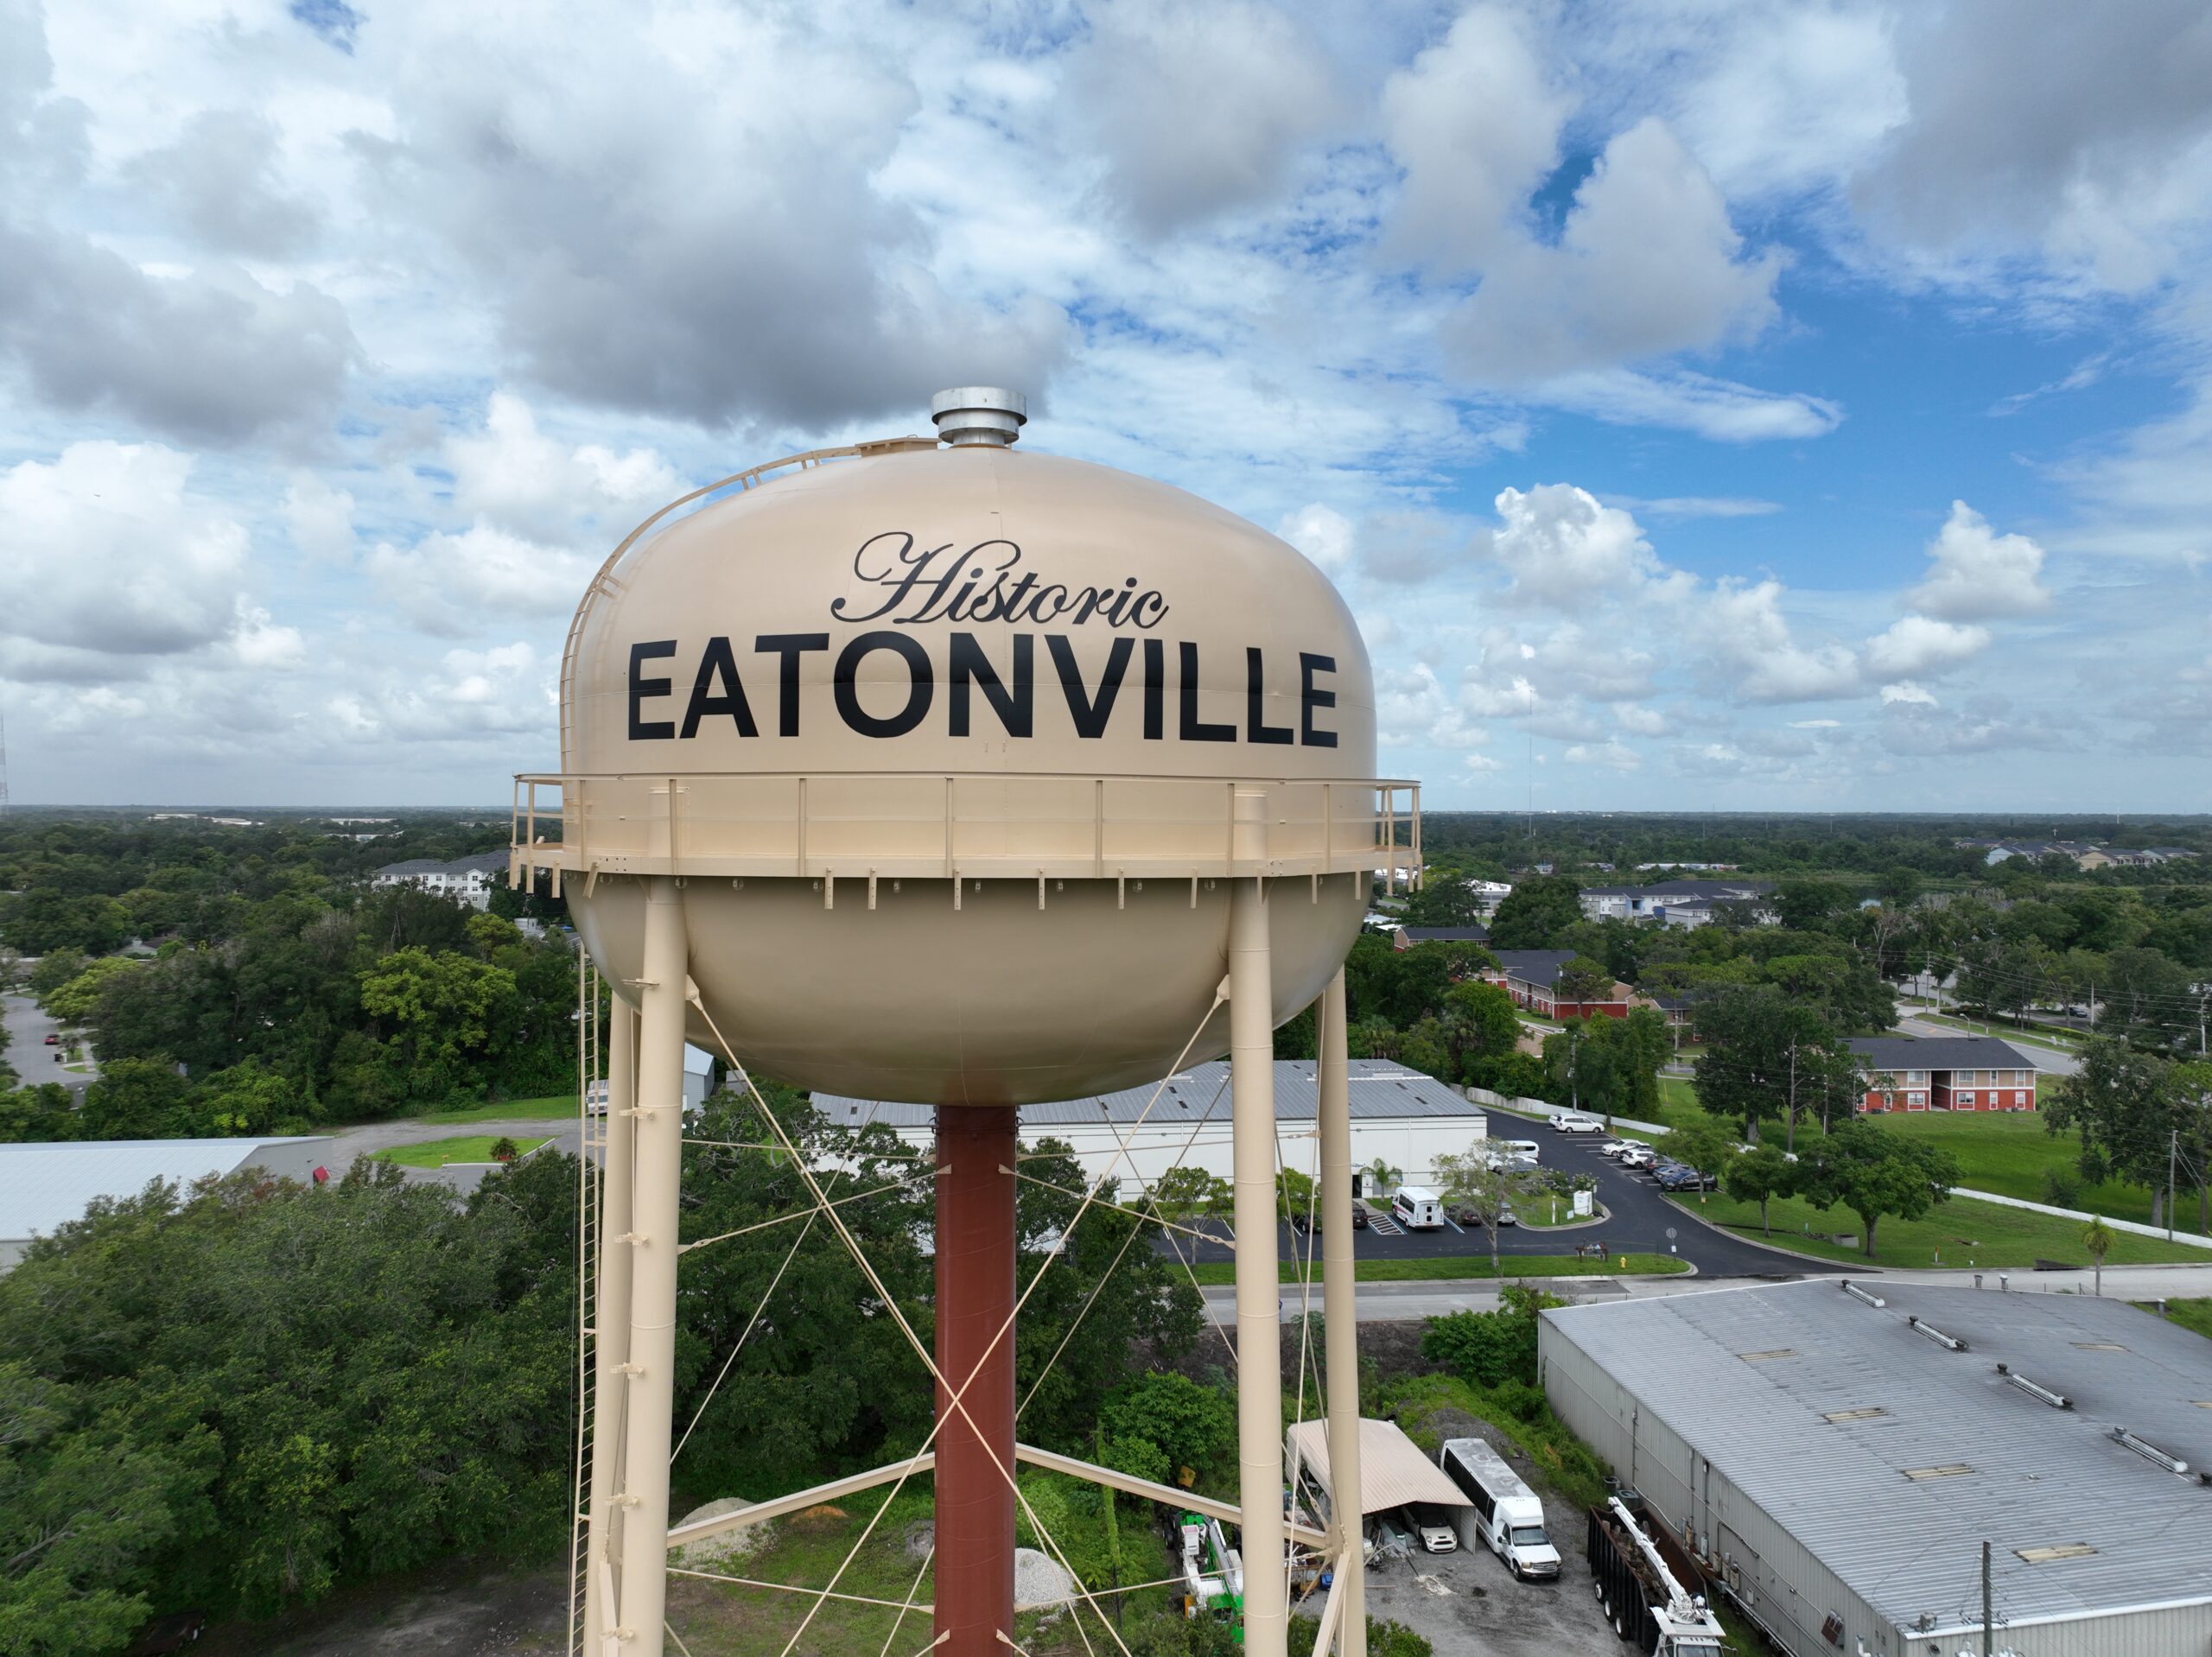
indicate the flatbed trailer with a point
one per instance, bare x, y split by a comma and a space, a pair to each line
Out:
1652, 1591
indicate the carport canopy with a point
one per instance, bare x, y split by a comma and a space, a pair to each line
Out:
1392, 1469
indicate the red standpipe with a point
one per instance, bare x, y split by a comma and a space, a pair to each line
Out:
974, 1589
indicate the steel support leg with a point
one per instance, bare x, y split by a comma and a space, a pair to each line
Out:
610, 1324
658, 1150
1340, 1318
974, 1593
1259, 1328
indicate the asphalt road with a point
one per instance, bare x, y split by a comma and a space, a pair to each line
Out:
1638, 1223
27, 1050
2048, 1060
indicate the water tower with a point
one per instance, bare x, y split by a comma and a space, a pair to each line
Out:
942, 771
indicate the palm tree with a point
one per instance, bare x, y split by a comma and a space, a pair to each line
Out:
2097, 1238
1385, 1177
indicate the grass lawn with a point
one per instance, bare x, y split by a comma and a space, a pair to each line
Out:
551, 1108
805, 1552
2010, 1153
437, 1154
2191, 1314
1451, 1267
1959, 1233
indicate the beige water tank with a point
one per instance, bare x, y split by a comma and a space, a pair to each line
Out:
956, 751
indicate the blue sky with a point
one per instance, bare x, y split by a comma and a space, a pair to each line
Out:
1798, 406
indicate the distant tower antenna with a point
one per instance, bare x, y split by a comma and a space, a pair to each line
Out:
4, 764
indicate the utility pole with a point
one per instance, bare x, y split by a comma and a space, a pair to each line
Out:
1789, 1110
2173, 1144
1989, 1619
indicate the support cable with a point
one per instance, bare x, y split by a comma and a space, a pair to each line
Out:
808, 1215
750, 1324
899, 1621
955, 1396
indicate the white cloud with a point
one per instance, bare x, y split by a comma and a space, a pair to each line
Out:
456, 586
104, 551
1197, 109
1558, 546
1476, 127
516, 479
1748, 638
1718, 410
1906, 691
320, 519
1614, 756
1975, 575
1646, 265
1917, 644
1323, 534
1675, 508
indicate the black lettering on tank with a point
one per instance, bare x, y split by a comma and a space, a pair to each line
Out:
718, 663
1089, 712
1155, 681
643, 690
921, 687
791, 647
1015, 703
1191, 728
1256, 729
1312, 697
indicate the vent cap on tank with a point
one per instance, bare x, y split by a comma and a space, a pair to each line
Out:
969, 416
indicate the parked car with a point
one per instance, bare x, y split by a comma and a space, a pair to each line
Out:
1466, 1213
1680, 1177
1571, 1122
52, 1039
1429, 1521
1639, 1155
1358, 1217
1620, 1148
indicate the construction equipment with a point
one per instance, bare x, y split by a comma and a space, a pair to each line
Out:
1213, 1572
1640, 1572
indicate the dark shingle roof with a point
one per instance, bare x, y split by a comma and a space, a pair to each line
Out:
1938, 1053
1448, 934
1537, 967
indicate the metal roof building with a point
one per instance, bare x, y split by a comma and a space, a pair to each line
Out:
1392, 1470
1838, 1465
1400, 1116
43, 1186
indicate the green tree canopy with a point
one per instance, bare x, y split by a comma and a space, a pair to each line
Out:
1874, 1172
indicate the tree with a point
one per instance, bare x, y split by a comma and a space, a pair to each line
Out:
1874, 1172
1471, 1179
1479, 1023
2128, 1107
1582, 980
1536, 911
2097, 1237
1491, 1349
1385, 1177
135, 1099
445, 1011
1758, 1176
73, 1002
1186, 1194
1193, 1426
1804, 902
1706, 1143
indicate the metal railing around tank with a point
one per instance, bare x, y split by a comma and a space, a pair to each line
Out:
949, 825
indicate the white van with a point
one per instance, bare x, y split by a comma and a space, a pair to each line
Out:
1417, 1210
1504, 1514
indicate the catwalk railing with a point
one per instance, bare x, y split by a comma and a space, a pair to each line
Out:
994, 825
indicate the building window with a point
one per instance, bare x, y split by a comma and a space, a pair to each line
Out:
1967, 1101
1917, 1100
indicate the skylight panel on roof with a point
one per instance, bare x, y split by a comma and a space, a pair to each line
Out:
2056, 1550
1840, 1416
1943, 1470
1768, 1357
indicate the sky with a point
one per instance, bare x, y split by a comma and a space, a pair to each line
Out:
1701, 405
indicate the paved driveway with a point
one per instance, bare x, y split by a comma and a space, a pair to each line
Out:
27, 1050
1640, 1222
2049, 1060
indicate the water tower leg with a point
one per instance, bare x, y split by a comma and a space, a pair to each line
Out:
1259, 1326
974, 1590
1340, 1318
657, 1146
610, 1324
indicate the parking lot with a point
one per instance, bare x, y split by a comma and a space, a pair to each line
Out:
1639, 1221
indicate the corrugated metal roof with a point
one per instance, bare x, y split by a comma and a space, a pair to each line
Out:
1791, 1433
1380, 1090
1392, 1469
43, 1185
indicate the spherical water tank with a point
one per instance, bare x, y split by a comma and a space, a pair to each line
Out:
956, 751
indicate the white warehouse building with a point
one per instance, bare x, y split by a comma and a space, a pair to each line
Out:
1399, 1117
1836, 1464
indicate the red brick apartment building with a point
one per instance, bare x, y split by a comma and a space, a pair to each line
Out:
1944, 1073
1531, 978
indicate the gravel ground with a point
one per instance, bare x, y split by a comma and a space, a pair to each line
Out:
1484, 1611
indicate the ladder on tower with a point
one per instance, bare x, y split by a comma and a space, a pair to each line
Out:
591, 1160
